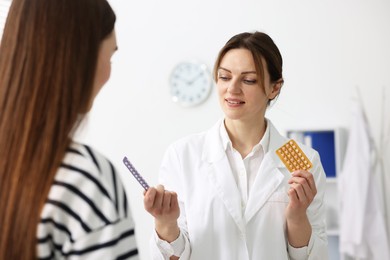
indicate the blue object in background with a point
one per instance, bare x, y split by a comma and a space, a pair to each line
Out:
324, 143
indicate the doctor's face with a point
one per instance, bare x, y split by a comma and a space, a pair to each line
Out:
241, 94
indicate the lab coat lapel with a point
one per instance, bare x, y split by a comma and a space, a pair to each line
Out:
221, 175
267, 181
226, 187
269, 176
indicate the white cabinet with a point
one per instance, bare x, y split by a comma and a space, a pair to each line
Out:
330, 144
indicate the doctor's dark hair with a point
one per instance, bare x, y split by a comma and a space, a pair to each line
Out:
48, 60
262, 47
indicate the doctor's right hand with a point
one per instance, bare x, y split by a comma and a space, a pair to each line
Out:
164, 207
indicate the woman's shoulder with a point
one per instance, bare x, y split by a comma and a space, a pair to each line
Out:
88, 161
78, 153
86, 196
87, 177
86, 206
85, 165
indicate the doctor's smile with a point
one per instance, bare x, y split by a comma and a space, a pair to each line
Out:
234, 102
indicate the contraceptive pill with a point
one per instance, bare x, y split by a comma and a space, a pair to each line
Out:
293, 157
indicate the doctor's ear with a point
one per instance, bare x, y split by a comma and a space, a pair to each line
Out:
275, 90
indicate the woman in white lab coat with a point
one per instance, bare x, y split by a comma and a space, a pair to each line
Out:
224, 193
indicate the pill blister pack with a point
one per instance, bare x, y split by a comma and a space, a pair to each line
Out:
135, 173
293, 157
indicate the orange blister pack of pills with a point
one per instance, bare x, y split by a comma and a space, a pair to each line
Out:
293, 157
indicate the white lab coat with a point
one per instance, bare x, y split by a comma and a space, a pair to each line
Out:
362, 226
212, 217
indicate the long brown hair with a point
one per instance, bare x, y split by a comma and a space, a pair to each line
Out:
48, 57
262, 47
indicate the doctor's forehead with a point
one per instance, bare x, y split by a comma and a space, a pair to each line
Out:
238, 60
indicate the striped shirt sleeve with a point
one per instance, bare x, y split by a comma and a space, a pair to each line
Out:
86, 214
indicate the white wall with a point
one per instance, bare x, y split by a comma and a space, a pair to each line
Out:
329, 48
4, 6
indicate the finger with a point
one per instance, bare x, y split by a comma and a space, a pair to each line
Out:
160, 187
312, 184
150, 196
159, 197
309, 178
300, 180
305, 185
308, 191
297, 179
293, 196
166, 205
301, 173
306, 180
174, 201
299, 191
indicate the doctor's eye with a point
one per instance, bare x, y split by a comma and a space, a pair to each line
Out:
223, 77
250, 81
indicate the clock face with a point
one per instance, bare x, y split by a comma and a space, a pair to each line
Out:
190, 83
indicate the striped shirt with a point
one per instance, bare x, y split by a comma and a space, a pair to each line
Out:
86, 214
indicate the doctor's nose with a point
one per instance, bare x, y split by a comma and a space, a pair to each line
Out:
234, 87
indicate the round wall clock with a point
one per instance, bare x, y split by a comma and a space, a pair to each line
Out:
190, 83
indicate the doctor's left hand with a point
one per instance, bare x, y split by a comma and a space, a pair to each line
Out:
302, 192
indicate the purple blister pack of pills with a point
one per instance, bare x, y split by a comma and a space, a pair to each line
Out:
135, 173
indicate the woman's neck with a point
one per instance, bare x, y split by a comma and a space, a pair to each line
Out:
245, 135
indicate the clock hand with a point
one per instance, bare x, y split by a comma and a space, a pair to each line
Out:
183, 79
195, 78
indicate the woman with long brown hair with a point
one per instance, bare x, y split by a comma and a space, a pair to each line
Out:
58, 198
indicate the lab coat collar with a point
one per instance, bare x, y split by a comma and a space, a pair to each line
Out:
267, 180
276, 141
227, 143
214, 148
